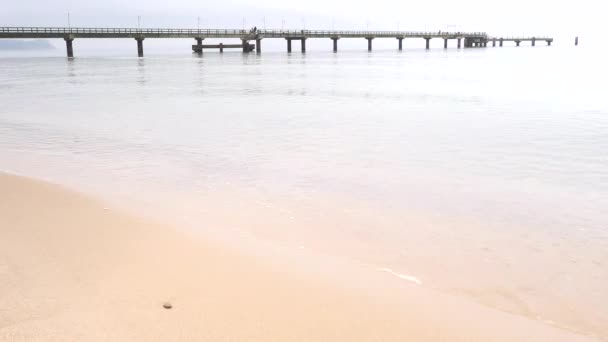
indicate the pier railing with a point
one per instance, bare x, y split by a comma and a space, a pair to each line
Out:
274, 33
344, 33
68, 30
521, 38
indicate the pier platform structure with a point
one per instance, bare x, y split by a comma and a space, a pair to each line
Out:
69, 34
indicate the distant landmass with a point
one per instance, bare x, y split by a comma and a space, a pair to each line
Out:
14, 44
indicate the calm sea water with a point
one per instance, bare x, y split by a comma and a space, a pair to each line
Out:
480, 172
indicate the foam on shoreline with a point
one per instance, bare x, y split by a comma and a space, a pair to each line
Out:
402, 276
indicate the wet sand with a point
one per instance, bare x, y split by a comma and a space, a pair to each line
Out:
73, 270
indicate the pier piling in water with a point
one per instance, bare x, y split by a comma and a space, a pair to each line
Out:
258, 45
140, 46
199, 43
428, 42
400, 43
69, 47
335, 43
369, 43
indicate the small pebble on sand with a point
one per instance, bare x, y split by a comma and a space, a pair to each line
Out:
167, 305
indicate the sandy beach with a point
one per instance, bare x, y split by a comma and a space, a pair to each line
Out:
73, 270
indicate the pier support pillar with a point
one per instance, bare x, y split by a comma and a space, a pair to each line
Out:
245, 46
335, 41
459, 40
303, 44
576, 41
221, 47
500, 42
445, 43
400, 43
517, 42
199, 42
69, 47
493, 42
428, 43
258, 45
533, 41
549, 42
369, 43
140, 46
288, 44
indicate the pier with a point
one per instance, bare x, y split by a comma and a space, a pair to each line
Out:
69, 34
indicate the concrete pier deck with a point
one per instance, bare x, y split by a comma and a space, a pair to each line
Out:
69, 34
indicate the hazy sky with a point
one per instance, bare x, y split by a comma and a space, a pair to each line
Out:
499, 17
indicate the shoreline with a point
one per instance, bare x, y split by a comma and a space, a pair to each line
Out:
72, 269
